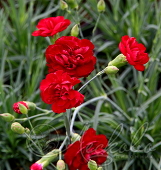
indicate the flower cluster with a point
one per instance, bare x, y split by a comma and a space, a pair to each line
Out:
68, 59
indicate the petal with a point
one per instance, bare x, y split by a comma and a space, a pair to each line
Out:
71, 152
85, 69
101, 141
139, 67
88, 134
57, 109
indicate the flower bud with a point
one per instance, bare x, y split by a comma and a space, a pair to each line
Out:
92, 165
63, 5
100, 168
75, 137
17, 128
111, 70
7, 117
73, 4
50, 156
45, 160
23, 109
75, 31
20, 107
119, 61
27, 130
30, 105
36, 166
60, 165
101, 6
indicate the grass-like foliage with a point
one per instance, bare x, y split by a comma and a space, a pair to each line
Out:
129, 112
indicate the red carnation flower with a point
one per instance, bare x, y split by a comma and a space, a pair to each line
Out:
16, 106
90, 147
134, 52
56, 89
71, 55
51, 26
36, 166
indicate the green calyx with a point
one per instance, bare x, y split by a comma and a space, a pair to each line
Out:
101, 6
111, 70
92, 165
60, 165
7, 117
49, 157
30, 105
119, 61
63, 5
75, 31
17, 128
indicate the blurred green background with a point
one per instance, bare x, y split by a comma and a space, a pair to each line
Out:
130, 116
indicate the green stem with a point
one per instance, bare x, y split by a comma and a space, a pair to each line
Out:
95, 27
101, 72
62, 145
34, 144
40, 149
78, 21
24, 119
79, 107
44, 110
67, 126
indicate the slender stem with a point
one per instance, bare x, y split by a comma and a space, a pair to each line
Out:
34, 143
30, 124
67, 126
24, 119
78, 20
99, 73
94, 29
44, 110
79, 107
88, 82
62, 145
40, 149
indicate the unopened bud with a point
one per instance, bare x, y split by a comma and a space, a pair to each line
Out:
20, 107
7, 117
92, 165
60, 165
63, 5
36, 166
101, 6
49, 157
100, 168
111, 70
27, 130
73, 4
75, 137
119, 61
75, 31
45, 160
17, 128
23, 109
30, 105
